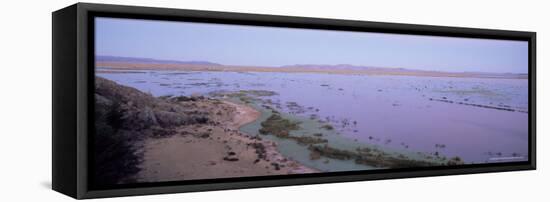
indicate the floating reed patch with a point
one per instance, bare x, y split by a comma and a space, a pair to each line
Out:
376, 158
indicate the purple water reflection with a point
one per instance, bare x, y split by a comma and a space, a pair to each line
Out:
401, 112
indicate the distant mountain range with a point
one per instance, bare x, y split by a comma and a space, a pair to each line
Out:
102, 58
312, 66
344, 67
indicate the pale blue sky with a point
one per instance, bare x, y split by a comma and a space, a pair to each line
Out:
274, 46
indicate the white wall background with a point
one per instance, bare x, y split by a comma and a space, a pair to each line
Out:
25, 104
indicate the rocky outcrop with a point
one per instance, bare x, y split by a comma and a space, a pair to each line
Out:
125, 116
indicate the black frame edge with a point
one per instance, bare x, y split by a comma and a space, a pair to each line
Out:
312, 22
533, 99
64, 145
82, 76
292, 182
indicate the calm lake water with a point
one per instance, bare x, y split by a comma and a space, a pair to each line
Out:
479, 120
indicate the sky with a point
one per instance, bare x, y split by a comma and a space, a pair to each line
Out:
277, 46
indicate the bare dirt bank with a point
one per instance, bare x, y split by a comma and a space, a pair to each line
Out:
219, 151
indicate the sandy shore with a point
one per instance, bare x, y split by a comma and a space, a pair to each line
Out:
214, 151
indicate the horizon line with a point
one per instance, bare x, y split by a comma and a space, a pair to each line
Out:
298, 65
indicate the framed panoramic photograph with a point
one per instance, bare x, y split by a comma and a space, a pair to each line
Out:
153, 100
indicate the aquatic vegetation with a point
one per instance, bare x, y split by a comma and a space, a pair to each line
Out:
499, 107
377, 158
245, 96
313, 116
261, 93
332, 152
440, 146
455, 161
294, 107
327, 127
292, 104
306, 140
278, 126
281, 127
198, 84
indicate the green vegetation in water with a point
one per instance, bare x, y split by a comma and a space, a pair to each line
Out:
278, 126
306, 140
281, 127
246, 96
375, 157
328, 127
258, 92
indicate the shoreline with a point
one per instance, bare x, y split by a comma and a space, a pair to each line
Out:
226, 152
250, 115
112, 67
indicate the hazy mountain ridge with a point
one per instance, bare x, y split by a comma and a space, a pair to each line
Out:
345, 67
106, 58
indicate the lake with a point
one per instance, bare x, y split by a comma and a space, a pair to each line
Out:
478, 119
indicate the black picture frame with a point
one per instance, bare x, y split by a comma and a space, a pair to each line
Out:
73, 98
